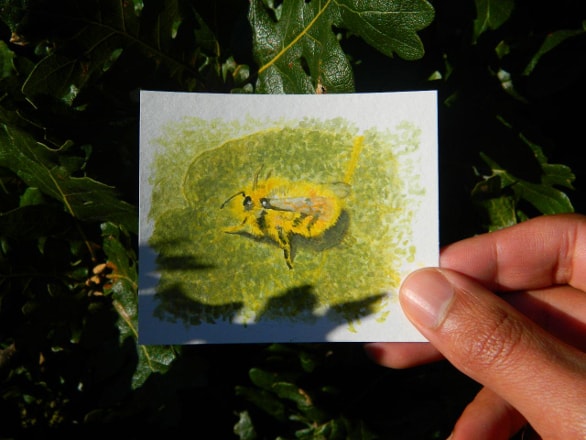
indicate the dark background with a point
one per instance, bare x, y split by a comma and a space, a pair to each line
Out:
198, 394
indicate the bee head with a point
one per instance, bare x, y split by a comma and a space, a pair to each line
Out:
247, 202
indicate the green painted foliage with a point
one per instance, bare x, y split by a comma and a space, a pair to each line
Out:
349, 267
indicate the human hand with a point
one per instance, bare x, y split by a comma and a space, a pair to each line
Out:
526, 346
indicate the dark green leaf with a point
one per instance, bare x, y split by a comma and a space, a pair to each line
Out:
165, 36
123, 288
558, 174
6, 63
108, 28
552, 40
553, 174
83, 198
308, 411
499, 193
244, 428
546, 199
389, 26
300, 53
491, 14
265, 401
264, 379
31, 196
290, 391
13, 14
500, 210
308, 359
34, 221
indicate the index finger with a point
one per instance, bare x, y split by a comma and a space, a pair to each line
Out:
538, 253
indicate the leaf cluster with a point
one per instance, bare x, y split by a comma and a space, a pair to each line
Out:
298, 51
507, 110
508, 74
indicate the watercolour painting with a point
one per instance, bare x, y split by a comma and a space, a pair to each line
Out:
283, 218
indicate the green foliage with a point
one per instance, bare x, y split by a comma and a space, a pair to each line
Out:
166, 40
491, 14
70, 72
50, 172
320, 391
551, 41
502, 194
298, 51
310, 409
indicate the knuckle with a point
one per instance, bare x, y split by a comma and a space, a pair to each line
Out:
494, 342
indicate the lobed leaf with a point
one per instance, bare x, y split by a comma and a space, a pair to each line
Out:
299, 52
38, 166
389, 26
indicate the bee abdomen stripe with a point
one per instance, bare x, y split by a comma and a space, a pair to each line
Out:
299, 220
261, 221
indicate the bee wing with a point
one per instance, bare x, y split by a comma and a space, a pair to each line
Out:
341, 189
313, 206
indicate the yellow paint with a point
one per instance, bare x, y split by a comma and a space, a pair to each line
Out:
353, 163
277, 208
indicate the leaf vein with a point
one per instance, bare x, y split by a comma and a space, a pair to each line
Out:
296, 39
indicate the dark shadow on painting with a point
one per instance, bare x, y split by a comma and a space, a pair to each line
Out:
176, 306
298, 304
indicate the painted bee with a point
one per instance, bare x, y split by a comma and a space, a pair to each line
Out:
278, 209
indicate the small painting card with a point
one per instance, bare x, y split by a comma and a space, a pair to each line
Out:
284, 218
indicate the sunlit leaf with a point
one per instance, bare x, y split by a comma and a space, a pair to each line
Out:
299, 52
499, 193
546, 199
553, 174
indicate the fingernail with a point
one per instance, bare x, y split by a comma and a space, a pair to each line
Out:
426, 296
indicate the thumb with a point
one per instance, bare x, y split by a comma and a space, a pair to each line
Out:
488, 340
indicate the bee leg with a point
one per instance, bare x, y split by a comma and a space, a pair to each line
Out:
243, 228
234, 229
287, 253
285, 244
